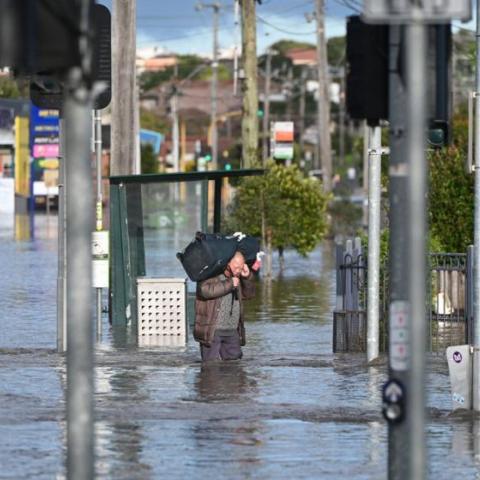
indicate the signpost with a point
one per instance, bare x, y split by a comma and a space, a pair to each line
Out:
407, 360
282, 141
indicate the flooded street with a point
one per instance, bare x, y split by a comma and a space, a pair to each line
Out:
290, 409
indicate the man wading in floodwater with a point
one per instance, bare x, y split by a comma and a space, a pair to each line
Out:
219, 310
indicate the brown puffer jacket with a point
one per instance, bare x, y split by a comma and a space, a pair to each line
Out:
207, 305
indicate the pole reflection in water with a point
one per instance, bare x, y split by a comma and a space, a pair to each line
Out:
232, 442
120, 435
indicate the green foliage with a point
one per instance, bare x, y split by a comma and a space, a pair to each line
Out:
223, 73
283, 46
336, 48
151, 121
149, 160
451, 200
291, 208
9, 88
346, 217
185, 67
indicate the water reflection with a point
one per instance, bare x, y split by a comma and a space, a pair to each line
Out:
225, 382
119, 443
302, 297
24, 227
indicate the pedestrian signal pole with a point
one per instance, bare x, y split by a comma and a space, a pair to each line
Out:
476, 268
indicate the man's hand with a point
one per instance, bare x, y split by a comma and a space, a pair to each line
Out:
245, 271
258, 262
235, 281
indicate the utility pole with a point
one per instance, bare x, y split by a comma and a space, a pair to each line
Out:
214, 86
124, 137
250, 94
323, 102
301, 127
476, 267
341, 120
175, 128
266, 108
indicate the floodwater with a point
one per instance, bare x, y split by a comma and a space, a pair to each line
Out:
290, 409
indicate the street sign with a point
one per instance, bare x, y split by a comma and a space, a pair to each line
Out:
404, 11
44, 132
150, 137
282, 140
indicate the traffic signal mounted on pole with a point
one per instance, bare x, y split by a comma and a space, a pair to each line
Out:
46, 91
368, 75
39, 35
367, 70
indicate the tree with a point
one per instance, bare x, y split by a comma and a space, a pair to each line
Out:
336, 49
149, 160
451, 196
282, 207
152, 121
186, 64
9, 88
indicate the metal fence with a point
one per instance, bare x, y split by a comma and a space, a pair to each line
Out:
448, 306
349, 317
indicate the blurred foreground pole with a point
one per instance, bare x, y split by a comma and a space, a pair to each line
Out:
124, 141
77, 109
476, 268
250, 94
416, 74
398, 250
374, 199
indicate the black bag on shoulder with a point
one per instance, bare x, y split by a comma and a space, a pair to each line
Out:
207, 255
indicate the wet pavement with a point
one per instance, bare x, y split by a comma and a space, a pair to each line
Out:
290, 409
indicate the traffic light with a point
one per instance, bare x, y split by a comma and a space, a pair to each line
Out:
206, 153
367, 70
46, 90
40, 35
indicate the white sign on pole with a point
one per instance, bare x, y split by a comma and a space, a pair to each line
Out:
282, 137
399, 341
404, 11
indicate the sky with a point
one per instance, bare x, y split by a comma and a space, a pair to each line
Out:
176, 26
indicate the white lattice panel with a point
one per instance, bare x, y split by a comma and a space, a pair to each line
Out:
162, 312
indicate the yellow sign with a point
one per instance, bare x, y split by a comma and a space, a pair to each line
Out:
22, 157
48, 163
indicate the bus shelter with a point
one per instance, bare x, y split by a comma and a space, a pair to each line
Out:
154, 216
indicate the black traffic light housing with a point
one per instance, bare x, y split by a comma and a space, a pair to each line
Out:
46, 90
367, 70
39, 35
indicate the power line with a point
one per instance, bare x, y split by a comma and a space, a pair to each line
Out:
262, 20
